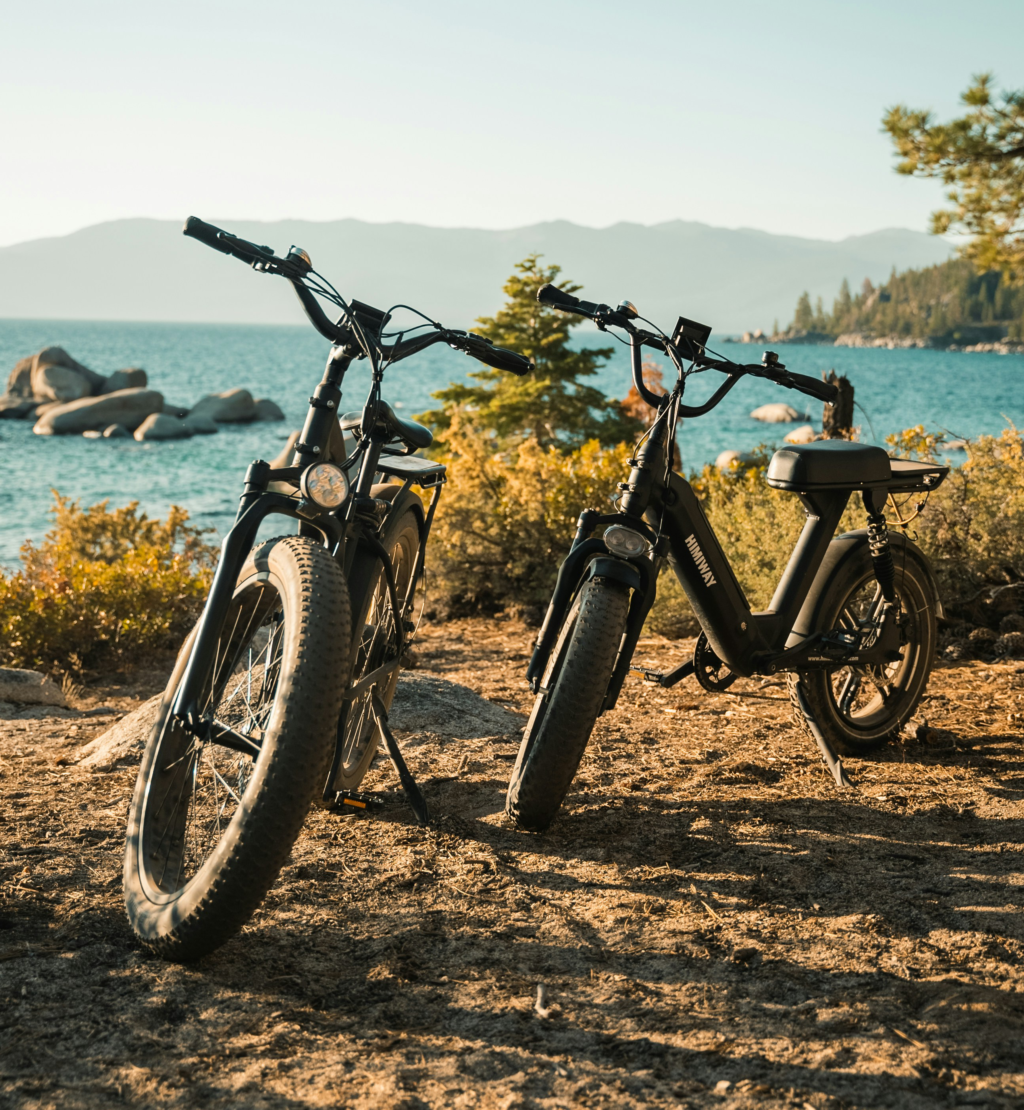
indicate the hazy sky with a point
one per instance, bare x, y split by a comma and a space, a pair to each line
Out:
481, 114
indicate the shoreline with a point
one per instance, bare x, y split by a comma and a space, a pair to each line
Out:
887, 342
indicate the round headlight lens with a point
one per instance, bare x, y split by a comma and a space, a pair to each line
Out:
325, 485
624, 542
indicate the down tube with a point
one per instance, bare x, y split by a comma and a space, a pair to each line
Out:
704, 573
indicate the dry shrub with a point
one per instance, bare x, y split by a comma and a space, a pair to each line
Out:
102, 586
973, 526
507, 518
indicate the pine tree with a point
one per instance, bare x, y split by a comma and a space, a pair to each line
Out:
551, 405
981, 157
804, 318
843, 303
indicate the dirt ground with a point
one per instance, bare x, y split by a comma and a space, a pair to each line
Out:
712, 922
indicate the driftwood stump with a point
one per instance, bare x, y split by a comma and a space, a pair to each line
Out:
837, 419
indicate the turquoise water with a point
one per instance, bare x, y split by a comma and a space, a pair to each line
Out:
968, 394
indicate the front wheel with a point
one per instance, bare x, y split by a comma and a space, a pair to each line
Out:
571, 696
210, 826
861, 708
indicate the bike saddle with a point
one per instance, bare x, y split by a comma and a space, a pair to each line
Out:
408, 431
831, 464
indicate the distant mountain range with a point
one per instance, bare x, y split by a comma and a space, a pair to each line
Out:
144, 269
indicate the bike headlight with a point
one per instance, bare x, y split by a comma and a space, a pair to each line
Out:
325, 484
624, 541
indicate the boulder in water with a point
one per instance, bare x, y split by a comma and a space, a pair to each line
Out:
268, 410
726, 459
128, 407
116, 431
233, 406
19, 382
13, 407
56, 376
777, 413
132, 378
161, 425
804, 434
199, 425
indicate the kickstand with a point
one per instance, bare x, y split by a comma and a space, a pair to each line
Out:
412, 791
828, 753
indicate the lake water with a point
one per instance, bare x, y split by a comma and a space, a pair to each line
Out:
968, 394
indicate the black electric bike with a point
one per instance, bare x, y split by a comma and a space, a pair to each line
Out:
281, 692
852, 621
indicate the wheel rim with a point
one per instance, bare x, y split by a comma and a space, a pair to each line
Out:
867, 697
197, 790
377, 644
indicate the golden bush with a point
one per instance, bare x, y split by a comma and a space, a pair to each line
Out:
103, 585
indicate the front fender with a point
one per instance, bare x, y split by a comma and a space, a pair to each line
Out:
588, 560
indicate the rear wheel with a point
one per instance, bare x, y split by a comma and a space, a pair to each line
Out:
861, 708
210, 826
570, 700
375, 645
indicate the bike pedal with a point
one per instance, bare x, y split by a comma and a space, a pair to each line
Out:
356, 800
648, 676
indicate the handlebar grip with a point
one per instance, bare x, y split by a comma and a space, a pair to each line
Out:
557, 298
208, 234
813, 387
499, 357
502, 359
211, 236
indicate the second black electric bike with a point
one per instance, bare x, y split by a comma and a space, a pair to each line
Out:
852, 621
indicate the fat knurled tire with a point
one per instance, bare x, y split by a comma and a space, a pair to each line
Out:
560, 726
189, 922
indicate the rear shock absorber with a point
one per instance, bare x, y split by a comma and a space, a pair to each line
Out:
878, 544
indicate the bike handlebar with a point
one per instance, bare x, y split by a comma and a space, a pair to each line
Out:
296, 265
821, 391
774, 370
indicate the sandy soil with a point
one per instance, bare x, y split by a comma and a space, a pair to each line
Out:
712, 923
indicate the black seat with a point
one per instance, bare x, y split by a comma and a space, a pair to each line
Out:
408, 431
830, 464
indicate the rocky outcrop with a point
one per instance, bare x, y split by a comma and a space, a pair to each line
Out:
129, 407
56, 376
16, 408
804, 434
66, 398
161, 425
728, 459
200, 425
29, 688
52, 376
778, 412
125, 379
122, 742
19, 381
233, 406
268, 410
